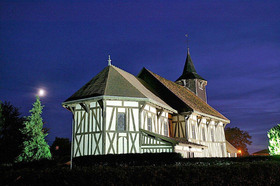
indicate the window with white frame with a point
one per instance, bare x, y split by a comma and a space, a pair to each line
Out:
193, 131
203, 134
149, 124
121, 122
165, 128
212, 134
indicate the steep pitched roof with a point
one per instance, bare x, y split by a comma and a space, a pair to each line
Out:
113, 81
177, 96
189, 71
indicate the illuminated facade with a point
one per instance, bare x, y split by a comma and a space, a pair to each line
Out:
116, 112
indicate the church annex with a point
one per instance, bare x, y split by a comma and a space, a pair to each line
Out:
117, 112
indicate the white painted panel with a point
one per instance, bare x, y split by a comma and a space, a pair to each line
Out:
77, 119
94, 127
114, 103
121, 109
99, 119
90, 121
147, 107
75, 147
131, 104
120, 145
90, 145
86, 144
100, 143
137, 144
181, 118
130, 121
122, 134
109, 111
78, 106
114, 122
153, 109
136, 118
86, 123
92, 104
78, 122
81, 143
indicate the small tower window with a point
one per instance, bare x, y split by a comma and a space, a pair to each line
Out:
149, 124
200, 85
121, 123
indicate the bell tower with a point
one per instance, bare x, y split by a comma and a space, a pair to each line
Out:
191, 80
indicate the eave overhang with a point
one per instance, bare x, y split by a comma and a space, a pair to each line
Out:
104, 97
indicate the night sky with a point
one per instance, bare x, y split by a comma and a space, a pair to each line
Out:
60, 46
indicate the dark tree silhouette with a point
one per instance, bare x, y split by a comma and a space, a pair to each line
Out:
238, 138
10, 136
61, 149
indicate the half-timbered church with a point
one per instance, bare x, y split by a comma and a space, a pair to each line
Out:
117, 112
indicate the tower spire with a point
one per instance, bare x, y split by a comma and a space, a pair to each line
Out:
109, 61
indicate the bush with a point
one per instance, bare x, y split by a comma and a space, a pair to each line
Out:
197, 171
128, 159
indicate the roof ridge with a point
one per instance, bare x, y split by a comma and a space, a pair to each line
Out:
179, 96
105, 89
167, 80
119, 69
148, 94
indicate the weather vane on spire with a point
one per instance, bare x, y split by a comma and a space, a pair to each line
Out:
187, 36
109, 61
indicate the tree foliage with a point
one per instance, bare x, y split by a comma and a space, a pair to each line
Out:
60, 148
10, 136
34, 147
274, 140
238, 138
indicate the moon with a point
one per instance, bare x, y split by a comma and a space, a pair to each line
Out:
42, 92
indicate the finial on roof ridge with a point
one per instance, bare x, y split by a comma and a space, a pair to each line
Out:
109, 61
187, 36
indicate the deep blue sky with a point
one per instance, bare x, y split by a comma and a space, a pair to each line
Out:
61, 45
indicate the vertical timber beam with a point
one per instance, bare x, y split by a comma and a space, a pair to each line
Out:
72, 109
140, 108
186, 125
102, 104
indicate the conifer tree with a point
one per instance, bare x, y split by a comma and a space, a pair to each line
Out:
34, 147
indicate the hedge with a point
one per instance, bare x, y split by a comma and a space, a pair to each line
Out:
202, 171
